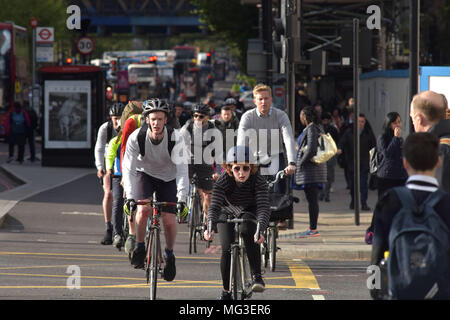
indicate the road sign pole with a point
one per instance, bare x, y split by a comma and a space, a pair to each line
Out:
356, 168
33, 63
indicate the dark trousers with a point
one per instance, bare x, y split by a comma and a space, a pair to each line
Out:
226, 233
363, 188
117, 205
312, 196
32, 145
19, 140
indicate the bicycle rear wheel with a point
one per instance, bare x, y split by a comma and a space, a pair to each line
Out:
154, 262
272, 243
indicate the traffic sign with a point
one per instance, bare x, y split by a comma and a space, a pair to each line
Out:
45, 34
85, 45
33, 23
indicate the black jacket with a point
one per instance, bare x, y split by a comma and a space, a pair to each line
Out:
442, 130
390, 152
367, 141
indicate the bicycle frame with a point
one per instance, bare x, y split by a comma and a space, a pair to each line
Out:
154, 262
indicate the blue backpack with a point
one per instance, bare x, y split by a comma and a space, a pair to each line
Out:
418, 263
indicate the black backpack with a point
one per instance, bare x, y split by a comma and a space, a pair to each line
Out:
418, 263
141, 138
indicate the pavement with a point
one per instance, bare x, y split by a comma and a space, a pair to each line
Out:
340, 238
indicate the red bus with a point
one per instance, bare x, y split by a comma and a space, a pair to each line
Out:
15, 76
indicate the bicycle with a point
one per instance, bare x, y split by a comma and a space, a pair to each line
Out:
197, 219
269, 246
154, 261
240, 277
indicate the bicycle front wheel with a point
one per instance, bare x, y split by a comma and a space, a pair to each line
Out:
235, 274
154, 262
193, 224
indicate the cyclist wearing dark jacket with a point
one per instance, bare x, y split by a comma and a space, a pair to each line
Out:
240, 189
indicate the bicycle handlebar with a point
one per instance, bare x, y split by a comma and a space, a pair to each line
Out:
155, 203
280, 175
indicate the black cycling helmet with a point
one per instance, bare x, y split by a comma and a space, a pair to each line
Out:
116, 109
230, 101
240, 154
201, 108
153, 105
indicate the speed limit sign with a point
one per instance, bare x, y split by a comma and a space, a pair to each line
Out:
85, 45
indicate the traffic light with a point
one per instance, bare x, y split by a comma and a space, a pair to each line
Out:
109, 92
113, 66
153, 59
279, 43
208, 58
68, 61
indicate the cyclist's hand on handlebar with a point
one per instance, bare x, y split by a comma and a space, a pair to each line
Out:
129, 207
208, 236
290, 169
261, 238
182, 209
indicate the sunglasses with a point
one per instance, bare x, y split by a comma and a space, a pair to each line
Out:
244, 168
200, 116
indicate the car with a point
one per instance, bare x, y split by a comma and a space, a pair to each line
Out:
247, 99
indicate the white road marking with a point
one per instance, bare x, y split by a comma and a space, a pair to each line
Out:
82, 213
318, 297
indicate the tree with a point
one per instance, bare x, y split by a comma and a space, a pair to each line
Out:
50, 13
232, 21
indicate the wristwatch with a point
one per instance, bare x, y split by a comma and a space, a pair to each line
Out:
292, 164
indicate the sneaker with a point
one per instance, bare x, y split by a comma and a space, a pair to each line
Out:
365, 207
170, 269
118, 241
130, 244
258, 284
225, 296
309, 233
138, 258
369, 237
107, 239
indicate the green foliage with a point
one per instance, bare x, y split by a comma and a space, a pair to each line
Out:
50, 13
230, 20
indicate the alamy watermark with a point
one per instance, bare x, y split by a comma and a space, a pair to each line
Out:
74, 20
74, 280
374, 21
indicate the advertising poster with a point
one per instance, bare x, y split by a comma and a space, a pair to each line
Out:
67, 113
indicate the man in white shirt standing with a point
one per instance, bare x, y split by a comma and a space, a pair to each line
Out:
155, 171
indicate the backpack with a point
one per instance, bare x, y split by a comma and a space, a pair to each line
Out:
142, 135
418, 263
374, 160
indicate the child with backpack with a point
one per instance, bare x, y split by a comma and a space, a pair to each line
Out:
412, 223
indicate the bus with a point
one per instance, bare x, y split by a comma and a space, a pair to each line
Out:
15, 74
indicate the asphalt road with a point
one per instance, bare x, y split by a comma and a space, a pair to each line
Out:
52, 238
